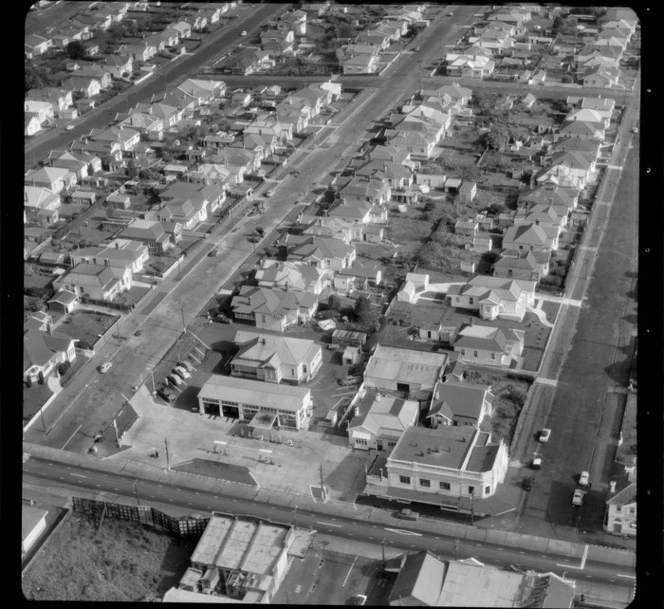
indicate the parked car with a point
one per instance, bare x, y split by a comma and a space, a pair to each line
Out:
360, 599
349, 380
407, 514
221, 318
537, 463
182, 373
166, 394
577, 498
105, 367
332, 346
268, 193
243, 33
528, 483
213, 253
635, 130
584, 478
544, 435
69, 127
187, 366
174, 379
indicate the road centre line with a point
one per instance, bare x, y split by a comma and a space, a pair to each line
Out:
78, 475
329, 524
626, 576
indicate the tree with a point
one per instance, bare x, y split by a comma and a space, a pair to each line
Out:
131, 170
497, 138
334, 303
76, 50
496, 208
364, 313
36, 76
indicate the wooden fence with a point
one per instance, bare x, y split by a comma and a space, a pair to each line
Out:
142, 514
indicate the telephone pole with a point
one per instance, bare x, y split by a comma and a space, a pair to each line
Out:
322, 484
168, 461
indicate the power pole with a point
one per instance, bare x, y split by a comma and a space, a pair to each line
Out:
472, 508
382, 544
456, 548
136, 491
322, 485
168, 462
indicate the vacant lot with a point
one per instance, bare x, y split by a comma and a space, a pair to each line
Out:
87, 325
117, 561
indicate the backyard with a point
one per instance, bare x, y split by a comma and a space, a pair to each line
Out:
84, 560
86, 325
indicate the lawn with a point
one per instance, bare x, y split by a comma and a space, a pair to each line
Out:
33, 399
117, 561
87, 325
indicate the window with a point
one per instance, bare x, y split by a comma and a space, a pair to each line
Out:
475, 353
391, 443
425, 483
404, 479
463, 352
471, 300
360, 441
445, 486
493, 356
304, 368
471, 490
487, 490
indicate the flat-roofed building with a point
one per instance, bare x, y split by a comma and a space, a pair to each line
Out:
450, 466
238, 559
263, 405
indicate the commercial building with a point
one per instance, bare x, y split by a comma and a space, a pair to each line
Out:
263, 405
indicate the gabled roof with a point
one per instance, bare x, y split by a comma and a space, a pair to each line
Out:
420, 580
624, 497
528, 234
379, 413
263, 348
462, 399
295, 275
271, 301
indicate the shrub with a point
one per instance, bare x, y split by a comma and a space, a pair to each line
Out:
63, 367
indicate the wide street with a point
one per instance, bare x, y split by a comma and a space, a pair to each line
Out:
366, 524
165, 79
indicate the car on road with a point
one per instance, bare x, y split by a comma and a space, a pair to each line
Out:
544, 436
407, 514
138, 333
182, 373
635, 130
69, 127
528, 483
174, 379
243, 33
268, 193
221, 319
349, 380
537, 463
577, 498
213, 253
584, 478
105, 367
360, 599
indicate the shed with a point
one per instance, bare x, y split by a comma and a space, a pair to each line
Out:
452, 185
346, 337
351, 355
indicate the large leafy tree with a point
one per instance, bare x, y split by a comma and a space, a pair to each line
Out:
76, 50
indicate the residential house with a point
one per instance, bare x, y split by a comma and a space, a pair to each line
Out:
551, 194
100, 74
212, 197
214, 174
183, 29
467, 192
520, 264
43, 351
273, 308
321, 226
139, 51
152, 127
185, 212
589, 115
291, 276
87, 87
531, 237
43, 110
469, 66
95, 281
404, 370
37, 199
275, 359
32, 125
55, 179
59, 98
119, 66
271, 127
170, 115
64, 301
379, 420
459, 404
149, 232
80, 163
494, 297
124, 137
360, 64
467, 228
320, 252
487, 345
35, 45
452, 466
620, 517
360, 275
601, 77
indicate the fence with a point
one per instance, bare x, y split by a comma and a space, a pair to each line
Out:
107, 303
142, 514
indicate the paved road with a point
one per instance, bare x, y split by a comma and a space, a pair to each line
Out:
589, 358
398, 534
169, 76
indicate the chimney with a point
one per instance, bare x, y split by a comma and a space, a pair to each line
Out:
470, 321
356, 410
612, 486
537, 222
378, 397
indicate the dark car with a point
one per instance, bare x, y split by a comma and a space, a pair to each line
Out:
528, 483
166, 394
221, 319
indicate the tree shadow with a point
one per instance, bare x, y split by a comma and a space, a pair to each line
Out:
175, 562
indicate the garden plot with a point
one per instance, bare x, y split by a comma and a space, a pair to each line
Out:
86, 326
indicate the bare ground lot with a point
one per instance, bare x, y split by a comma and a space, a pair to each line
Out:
117, 561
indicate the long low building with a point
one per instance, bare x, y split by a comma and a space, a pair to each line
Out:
263, 405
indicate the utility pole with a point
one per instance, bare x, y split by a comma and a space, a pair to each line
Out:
382, 544
168, 461
472, 508
136, 491
322, 485
456, 549
295, 518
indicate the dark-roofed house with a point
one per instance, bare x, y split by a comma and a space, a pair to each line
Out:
64, 301
273, 308
94, 281
419, 581
460, 404
534, 236
404, 370
486, 345
291, 276
444, 466
551, 194
620, 518
379, 420
149, 232
42, 351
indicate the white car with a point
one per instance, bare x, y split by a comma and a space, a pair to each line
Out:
69, 127
544, 435
104, 368
182, 373
243, 33
577, 498
360, 599
584, 478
